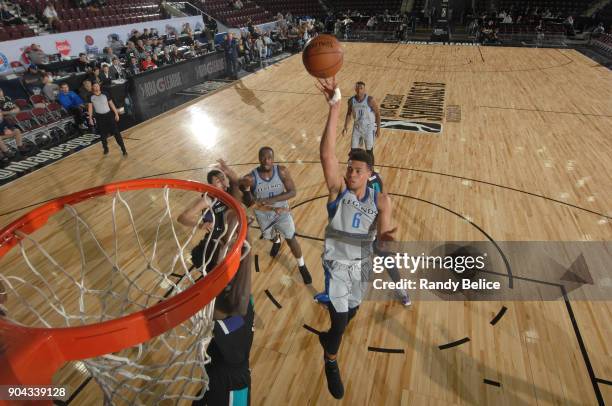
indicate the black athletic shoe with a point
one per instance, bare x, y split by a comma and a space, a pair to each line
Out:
334, 382
305, 274
275, 248
125, 153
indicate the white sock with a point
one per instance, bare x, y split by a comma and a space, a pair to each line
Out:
300, 261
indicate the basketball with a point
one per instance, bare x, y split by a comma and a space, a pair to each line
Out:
323, 56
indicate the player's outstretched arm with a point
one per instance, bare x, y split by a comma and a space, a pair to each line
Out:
327, 149
192, 214
233, 178
245, 184
385, 227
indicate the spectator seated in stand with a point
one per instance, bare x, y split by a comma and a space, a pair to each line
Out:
33, 80
85, 90
50, 14
146, 34
130, 50
50, 89
108, 55
116, 70
597, 32
141, 51
371, 24
7, 17
115, 44
148, 63
9, 131
133, 67
94, 74
187, 29
83, 64
73, 103
105, 78
8, 107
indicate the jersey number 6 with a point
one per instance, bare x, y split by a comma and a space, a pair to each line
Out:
356, 220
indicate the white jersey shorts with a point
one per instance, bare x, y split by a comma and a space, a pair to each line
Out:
271, 223
365, 135
346, 282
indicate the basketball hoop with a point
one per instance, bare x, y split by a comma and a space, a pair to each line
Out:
113, 339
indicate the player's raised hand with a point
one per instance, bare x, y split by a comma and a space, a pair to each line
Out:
222, 165
329, 88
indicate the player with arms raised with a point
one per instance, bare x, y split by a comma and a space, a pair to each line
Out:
357, 215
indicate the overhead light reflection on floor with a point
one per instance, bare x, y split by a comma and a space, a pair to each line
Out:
203, 128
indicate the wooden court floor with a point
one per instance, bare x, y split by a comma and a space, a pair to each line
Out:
530, 159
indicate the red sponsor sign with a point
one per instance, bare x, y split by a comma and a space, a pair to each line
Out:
63, 47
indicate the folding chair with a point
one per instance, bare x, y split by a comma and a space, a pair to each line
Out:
23, 104
38, 99
25, 121
56, 110
41, 116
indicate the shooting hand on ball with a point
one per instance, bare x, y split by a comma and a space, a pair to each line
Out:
329, 88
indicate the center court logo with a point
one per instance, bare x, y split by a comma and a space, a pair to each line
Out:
420, 110
410, 126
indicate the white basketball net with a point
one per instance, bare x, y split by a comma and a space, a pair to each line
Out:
169, 367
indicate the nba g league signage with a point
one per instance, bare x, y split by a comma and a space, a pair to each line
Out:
151, 90
420, 110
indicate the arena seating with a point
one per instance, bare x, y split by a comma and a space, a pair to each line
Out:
604, 42
368, 7
565, 7
42, 127
297, 8
223, 11
9, 32
115, 12
605, 16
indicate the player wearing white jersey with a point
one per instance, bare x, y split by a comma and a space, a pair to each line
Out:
269, 187
357, 214
366, 116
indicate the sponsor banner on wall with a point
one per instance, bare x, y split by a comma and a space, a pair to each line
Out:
45, 157
151, 91
91, 41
